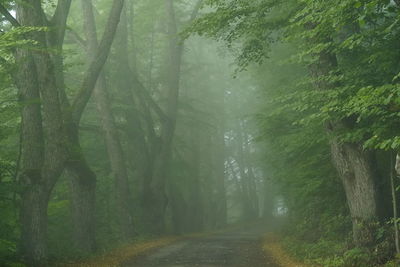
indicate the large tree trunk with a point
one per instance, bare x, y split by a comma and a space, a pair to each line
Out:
352, 162
354, 167
83, 179
34, 196
83, 204
82, 182
33, 218
42, 160
47, 71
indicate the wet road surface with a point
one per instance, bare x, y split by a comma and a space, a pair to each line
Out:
237, 248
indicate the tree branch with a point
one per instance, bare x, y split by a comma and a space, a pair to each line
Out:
59, 18
195, 11
98, 61
8, 16
77, 37
144, 94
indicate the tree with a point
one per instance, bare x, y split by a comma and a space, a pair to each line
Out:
115, 153
39, 78
312, 25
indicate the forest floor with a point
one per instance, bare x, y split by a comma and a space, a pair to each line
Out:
238, 247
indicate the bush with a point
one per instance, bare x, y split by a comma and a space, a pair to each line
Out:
357, 257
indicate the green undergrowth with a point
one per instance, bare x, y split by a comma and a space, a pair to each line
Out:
326, 241
329, 252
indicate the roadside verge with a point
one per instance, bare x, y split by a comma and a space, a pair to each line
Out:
273, 248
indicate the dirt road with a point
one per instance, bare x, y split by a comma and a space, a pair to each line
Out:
234, 248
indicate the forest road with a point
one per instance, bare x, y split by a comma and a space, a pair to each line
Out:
236, 248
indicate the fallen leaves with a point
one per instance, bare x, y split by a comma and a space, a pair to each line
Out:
273, 248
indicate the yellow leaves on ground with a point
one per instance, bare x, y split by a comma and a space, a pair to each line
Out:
273, 248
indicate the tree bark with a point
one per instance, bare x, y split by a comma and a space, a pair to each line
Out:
83, 204
83, 179
352, 163
33, 218
32, 213
353, 166
99, 59
47, 70
393, 169
112, 139
82, 192
42, 160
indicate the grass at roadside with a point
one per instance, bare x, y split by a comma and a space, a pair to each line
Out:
289, 252
273, 247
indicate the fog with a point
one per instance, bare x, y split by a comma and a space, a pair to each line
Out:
244, 130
